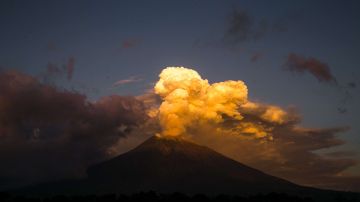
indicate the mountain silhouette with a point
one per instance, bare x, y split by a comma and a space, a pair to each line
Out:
168, 165
175, 165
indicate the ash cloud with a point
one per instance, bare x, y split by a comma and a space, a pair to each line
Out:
264, 136
48, 133
189, 100
59, 133
300, 64
292, 152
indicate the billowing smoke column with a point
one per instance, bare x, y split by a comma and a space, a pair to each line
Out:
190, 104
189, 100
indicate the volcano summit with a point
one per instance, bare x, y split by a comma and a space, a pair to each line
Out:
173, 164
170, 164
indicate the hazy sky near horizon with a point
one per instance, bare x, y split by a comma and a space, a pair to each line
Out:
303, 54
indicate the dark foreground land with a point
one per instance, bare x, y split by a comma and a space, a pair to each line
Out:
179, 197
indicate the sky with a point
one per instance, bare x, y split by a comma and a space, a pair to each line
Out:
298, 55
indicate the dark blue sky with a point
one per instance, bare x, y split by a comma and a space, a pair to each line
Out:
116, 40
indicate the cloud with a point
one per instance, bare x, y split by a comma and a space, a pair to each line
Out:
290, 153
239, 28
189, 100
300, 64
131, 79
58, 132
264, 136
243, 27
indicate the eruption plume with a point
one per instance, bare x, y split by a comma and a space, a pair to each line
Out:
189, 101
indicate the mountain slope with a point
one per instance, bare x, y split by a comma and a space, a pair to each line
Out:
168, 165
176, 165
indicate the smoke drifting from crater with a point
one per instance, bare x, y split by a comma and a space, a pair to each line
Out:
264, 136
192, 103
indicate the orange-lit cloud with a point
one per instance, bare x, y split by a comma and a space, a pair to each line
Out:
189, 100
37, 119
264, 136
191, 103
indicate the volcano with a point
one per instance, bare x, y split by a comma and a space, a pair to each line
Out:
168, 165
175, 165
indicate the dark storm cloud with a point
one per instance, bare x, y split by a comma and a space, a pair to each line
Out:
301, 64
49, 133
